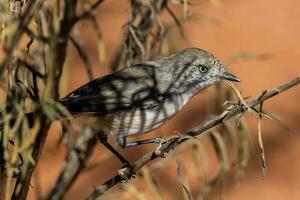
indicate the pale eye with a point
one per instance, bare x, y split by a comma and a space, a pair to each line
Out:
203, 69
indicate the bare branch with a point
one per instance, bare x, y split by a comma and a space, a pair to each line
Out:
74, 164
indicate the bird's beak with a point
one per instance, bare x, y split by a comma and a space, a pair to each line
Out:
230, 77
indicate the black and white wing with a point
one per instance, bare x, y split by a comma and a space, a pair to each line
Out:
124, 90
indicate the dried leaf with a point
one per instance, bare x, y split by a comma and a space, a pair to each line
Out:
261, 146
180, 176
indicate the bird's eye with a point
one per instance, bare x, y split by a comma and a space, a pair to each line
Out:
203, 69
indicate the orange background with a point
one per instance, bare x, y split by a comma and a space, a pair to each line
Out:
257, 27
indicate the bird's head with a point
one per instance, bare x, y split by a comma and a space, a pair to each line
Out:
198, 69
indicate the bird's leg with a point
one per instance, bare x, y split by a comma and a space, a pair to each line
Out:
103, 139
156, 140
126, 170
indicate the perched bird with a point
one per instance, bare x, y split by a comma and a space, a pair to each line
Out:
140, 98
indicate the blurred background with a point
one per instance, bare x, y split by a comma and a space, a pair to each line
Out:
260, 42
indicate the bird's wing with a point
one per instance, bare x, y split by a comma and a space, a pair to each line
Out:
92, 98
113, 93
95, 104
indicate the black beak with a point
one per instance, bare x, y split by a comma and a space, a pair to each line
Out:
230, 77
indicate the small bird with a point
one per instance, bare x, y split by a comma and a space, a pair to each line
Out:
141, 97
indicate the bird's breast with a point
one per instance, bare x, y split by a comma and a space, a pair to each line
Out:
138, 120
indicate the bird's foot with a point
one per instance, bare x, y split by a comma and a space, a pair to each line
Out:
126, 172
159, 150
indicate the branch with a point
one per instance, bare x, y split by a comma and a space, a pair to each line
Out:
140, 23
88, 12
57, 55
74, 164
169, 144
31, 8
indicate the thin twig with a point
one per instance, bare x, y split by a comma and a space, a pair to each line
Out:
200, 130
84, 56
177, 22
88, 12
74, 164
31, 8
142, 18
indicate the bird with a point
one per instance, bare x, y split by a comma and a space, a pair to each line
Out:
140, 98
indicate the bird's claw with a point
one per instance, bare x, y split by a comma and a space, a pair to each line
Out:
126, 172
159, 151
